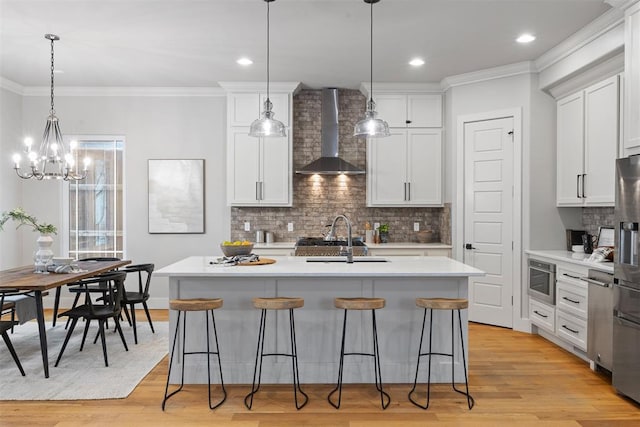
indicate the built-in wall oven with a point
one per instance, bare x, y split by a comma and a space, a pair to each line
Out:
542, 281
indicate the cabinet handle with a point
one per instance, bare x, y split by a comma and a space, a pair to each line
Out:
261, 190
578, 186
408, 122
570, 330
584, 176
405, 191
408, 191
573, 277
540, 314
257, 190
570, 300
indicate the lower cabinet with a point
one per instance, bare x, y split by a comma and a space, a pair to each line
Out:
542, 315
572, 328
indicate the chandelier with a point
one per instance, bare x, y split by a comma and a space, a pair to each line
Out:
371, 125
53, 160
267, 125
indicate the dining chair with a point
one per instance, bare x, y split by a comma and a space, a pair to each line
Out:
131, 298
6, 325
109, 307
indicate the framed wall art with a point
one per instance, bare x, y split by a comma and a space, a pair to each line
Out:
176, 196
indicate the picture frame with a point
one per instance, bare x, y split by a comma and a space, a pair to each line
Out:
606, 237
176, 196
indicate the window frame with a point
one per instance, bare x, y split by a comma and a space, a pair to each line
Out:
65, 211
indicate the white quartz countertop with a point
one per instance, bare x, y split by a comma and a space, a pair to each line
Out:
398, 266
573, 258
391, 245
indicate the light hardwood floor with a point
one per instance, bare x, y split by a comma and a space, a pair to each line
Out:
515, 378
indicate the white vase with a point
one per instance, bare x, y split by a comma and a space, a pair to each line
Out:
42, 257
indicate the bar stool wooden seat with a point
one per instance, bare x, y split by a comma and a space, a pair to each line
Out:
192, 305
453, 304
277, 303
360, 303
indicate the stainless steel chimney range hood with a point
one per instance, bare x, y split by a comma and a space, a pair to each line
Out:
329, 163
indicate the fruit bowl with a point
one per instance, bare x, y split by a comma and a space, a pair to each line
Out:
236, 250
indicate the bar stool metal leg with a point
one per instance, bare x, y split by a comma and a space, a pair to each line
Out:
294, 363
470, 401
257, 369
208, 353
340, 367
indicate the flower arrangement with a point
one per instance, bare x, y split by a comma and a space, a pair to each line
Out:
19, 215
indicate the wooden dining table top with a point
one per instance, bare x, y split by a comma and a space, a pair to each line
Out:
24, 278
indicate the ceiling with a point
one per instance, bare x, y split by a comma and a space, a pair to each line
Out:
195, 43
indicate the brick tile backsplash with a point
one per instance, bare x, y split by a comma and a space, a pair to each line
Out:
317, 199
593, 218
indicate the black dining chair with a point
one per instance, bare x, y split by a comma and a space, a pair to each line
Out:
6, 325
56, 301
131, 298
111, 284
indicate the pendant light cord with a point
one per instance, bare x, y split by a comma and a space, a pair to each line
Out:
52, 68
371, 53
268, 1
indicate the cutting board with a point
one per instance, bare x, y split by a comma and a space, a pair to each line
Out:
261, 261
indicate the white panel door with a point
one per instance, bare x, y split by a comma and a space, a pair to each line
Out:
570, 150
244, 158
275, 168
424, 174
601, 142
387, 169
488, 220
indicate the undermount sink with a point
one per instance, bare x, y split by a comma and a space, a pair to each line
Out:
344, 259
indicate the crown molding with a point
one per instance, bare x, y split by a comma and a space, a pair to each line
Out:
598, 72
365, 88
125, 91
526, 67
291, 87
596, 28
11, 86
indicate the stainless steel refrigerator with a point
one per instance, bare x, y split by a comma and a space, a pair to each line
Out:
626, 313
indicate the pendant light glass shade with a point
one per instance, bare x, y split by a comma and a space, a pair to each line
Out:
54, 159
371, 126
266, 125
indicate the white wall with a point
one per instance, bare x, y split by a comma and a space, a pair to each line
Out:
10, 185
154, 128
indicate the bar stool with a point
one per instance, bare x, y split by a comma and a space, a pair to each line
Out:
278, 303
198, 304
360, 304
442, 304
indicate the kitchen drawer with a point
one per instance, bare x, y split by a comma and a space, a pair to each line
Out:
542, 315
572, 329
570, 273
571, 297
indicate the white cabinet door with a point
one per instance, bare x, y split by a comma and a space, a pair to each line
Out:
244, 168
412, 110
424, 172
387, 169
601, 142
392, 108
570, 150
243, 108
276, 171
632, 81
424, 111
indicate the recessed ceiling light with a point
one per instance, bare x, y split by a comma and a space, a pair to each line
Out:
525, 38
416, 62
58, 71
244, 61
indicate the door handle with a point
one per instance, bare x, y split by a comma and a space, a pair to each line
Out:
468, 246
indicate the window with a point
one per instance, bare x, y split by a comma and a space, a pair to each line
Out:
95, 204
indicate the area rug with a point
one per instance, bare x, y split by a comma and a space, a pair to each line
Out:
80, 375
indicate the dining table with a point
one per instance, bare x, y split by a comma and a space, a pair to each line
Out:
26, 279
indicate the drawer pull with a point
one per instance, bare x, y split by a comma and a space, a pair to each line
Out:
540, 314
570, 300
570, 330
573, 277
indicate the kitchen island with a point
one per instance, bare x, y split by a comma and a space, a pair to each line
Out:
318, 324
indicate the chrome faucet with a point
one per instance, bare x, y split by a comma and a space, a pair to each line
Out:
348, 252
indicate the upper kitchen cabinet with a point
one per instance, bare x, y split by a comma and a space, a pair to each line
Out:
405, 169
259, 170
410, 110
631, 145
587, 143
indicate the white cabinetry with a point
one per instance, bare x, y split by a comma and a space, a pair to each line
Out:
632, 81
259, 170
410, 110
542, 315
571, 305
405, 169
587, 143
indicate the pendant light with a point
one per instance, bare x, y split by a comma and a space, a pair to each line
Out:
371, 125
53, 160
266, 125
